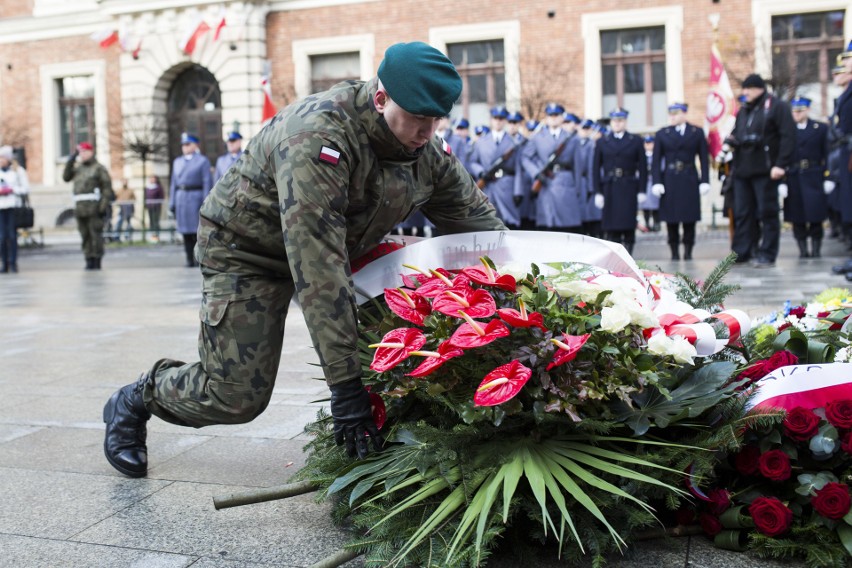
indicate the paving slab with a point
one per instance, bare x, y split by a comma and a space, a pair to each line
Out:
19, 551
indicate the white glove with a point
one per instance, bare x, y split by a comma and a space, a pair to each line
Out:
599, 200
658, 189
782, 190
704, 188
641, 198
828, 186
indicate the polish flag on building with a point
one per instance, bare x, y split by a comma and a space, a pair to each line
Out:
720, 115
220, 23
130, 42
193, 36
105, 37
269, 109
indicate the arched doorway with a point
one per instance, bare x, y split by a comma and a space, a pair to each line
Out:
195, 106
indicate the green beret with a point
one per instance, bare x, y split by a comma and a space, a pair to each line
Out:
421, 79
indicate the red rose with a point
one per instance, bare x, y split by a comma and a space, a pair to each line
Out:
771, 516
832, 501
710, 524
801, 424
755, 372
685, 516
746, 460
839, 413
780, 359
774, 465
720, 500
798, 311
846, 443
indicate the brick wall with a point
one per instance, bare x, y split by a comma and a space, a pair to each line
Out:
15, 8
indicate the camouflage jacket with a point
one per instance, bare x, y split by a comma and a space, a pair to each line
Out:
329, 207
89, 177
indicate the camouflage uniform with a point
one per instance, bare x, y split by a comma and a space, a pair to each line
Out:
92, 196
287, 218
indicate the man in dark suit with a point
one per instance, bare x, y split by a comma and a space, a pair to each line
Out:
677, 181
619, 179
843, 130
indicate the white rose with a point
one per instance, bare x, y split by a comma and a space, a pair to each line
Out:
813, 309
658, 344
516, 270
614, 319
682, 350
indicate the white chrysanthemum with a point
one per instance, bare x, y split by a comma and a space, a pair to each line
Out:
843, 355
516, 270
614, 319
813, 309
675, 346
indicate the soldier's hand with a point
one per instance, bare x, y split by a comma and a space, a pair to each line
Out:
599, 200
517, 199
828, 186
782, 190
704, 188
658, 189
777, 173
353, 418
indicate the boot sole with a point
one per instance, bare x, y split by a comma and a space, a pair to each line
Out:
108, 413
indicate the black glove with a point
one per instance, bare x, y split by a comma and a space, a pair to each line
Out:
73, 156
353, 418
518, 199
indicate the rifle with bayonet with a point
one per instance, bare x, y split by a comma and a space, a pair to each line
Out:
547, 170
497, 165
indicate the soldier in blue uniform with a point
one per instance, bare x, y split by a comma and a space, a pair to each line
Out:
190, 184
843, 134
651, 207
839, 77
619, 177
588, 135
460, 142
523, 196
495, 164
549, 158
234, 142
806, 204
676, 180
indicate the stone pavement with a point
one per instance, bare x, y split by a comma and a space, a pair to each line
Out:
70, 338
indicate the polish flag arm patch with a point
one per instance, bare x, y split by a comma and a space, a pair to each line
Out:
447, 149
329, 155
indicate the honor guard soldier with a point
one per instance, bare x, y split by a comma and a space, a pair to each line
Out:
806, 205
526, 205
191, 182
676, 181
495, 164
840, 77
460, 143
588, 134
651, 207
843, 133
549, 158
92, 196
619, 177
319, 186
234, 142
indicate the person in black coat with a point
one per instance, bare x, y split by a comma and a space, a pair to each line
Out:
806, 205
619, 178
763, 140
843, 134
677, 181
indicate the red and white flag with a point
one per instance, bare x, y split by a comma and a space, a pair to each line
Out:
269, 109
130, 42
721, 110
809, 386
220, 23
105, 37
193, 36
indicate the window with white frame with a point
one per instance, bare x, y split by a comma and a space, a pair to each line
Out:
481, 65
331, 68
76, 100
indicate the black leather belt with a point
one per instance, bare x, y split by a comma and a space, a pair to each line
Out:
806, 165
557, 167
619, 173
503, 172
190, 187
679, 166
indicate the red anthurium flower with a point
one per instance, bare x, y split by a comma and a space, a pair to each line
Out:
502, 384
473, 334
395, 348
432, 283
409, 306
567, 349
486, 276
380, 413
434, 359
475, 303
522, 318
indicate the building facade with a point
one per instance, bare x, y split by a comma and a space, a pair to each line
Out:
121, 72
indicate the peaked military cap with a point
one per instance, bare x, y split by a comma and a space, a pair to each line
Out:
571, 117
187, 138
800, 102
234, 136
678, 106
420, 79
515, 117
847, 52
531, 125
462, 123
618, 112
554, 108
499, 112
588, 123
648, 138
481, 129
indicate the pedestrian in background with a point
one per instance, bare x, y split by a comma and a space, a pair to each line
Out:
763, 139
14, 187
677, 182
806, 205
234, 143
154, 196
650, 208
191, 182
126, 201
92, 197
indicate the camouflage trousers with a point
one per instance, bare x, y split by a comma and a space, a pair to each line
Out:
243, 308
91, 228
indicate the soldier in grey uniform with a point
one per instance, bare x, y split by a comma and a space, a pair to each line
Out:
234, 143
191, 182
92, 195
588, 134
320, 185
523, 196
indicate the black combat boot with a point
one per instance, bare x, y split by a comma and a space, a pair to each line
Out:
816, 245
803, 248
687, 252
96, 263
125, 416
675, 252
90, 263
